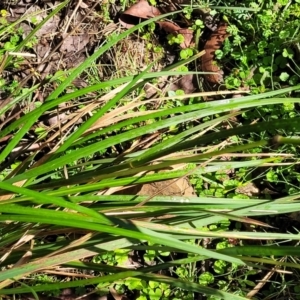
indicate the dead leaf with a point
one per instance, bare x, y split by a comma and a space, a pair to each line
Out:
208, 59
172, 187
42, 49
51, 26
74, 43
74, 59
185, 83
142, 10
54, 120
79, 83
180, 187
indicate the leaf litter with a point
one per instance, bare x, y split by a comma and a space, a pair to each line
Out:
62, 43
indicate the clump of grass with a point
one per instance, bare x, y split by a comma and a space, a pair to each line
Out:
69, 188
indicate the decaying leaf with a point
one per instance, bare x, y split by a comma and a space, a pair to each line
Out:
208, 62
74, 43
142, 10
180, 187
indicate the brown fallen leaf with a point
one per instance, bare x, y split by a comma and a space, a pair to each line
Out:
74, 43
172, 187
50, 27
185, 83
208, 59
142, 10
179, 187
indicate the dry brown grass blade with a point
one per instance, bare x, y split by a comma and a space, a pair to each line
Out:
73, 244
22, 261
27, 237
114, 116
56, 260
262, 282
68, 273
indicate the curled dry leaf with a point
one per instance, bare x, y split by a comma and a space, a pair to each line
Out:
142, 10
208, 63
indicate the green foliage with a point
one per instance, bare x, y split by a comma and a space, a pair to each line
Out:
206, 278
147, 290
186, 53
113, 258
268, 60
175, 39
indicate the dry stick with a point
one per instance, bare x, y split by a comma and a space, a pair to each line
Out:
73, 244
68, 274
259, 286
72, 16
